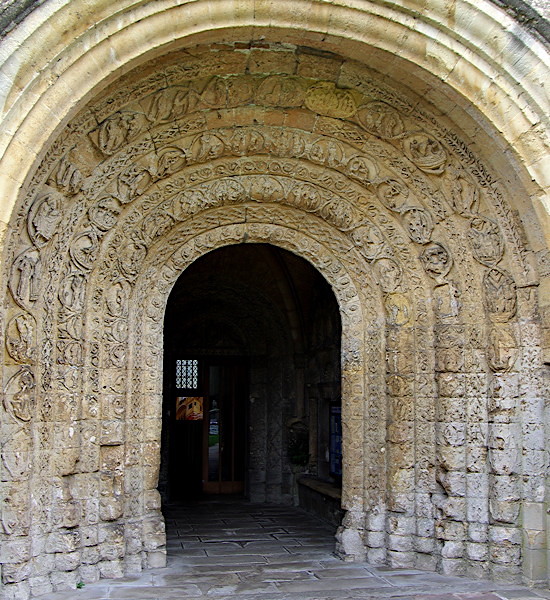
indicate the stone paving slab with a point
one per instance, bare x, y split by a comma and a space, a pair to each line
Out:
230, 551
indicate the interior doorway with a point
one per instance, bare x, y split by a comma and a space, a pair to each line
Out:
208, 426
251, 378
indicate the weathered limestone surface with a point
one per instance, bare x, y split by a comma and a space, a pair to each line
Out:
442, 290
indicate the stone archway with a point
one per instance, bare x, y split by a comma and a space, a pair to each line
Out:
440, 344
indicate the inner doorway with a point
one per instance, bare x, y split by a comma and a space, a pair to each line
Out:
251, 378
208, 426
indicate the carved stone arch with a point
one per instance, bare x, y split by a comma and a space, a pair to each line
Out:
447, 338
337, 260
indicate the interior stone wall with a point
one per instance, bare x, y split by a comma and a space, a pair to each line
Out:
442, 373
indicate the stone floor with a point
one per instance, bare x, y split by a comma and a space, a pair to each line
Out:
233, 550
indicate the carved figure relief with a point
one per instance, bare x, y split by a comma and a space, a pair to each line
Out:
72, 291
419, 225
325, 98
380, 119
339, 213
104, 214
170, 161
369, 240
326, 152
398, 309
246, 142
20, 338
25, 277
436, 260
393, 194
266, 189
502, 351
500, 295
84, 250
44, 217
172, 103
214, 94
130, 257
425, 152
446, 300
464, 195
228, 191
118, 130
133, 182
67, 177
19, 397
486, 241
362, 169
287, 143
281, 90
389, 274
207, 146
308, 196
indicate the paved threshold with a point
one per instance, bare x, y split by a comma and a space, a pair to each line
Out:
236, 550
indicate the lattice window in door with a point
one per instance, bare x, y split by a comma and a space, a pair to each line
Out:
187, 374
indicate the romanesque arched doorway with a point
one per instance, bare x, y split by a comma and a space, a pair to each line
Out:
389, 200
253, 332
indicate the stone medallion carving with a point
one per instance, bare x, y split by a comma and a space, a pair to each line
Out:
118, 130
426, 153
393, 194
419, 225
381, 120
486, 241
326, 99
21, 338
389, 274
25, 276
436, 260
19, 398
44, 217
84, 250
104, 213
281, 90
500, 295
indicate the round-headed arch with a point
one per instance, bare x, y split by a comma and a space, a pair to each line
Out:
328, 251
50, 77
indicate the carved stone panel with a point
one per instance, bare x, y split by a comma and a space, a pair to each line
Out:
21, 338
44, 217
380, 119
425, 152
25, 277
326, 99
500, 295
486, 241
436, 260
19, 398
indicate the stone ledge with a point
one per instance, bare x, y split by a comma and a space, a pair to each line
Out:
320, 498
322, 487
